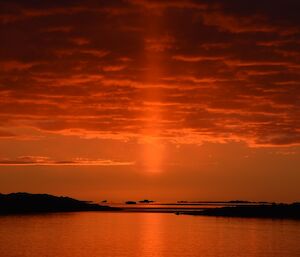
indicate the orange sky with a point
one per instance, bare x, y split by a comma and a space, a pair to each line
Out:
134, 99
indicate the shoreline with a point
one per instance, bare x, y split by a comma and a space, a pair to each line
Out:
26, 203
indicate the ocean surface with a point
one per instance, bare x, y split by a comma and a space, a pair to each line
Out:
130, 234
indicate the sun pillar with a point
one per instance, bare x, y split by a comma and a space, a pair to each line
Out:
153, 148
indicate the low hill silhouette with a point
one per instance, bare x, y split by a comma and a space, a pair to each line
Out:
31, 203
291, 211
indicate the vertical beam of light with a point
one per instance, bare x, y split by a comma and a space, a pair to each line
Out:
153, 151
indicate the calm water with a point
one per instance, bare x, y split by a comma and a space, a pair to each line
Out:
144, 235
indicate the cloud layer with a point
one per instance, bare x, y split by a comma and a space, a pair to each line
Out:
185, 71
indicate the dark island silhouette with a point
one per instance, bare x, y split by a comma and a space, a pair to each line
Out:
146, 201
130, 202
43, 203
141, 201
290, 211
23, 203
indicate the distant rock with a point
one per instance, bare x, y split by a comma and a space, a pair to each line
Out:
35, 203
146, 201
239, 201
130, 202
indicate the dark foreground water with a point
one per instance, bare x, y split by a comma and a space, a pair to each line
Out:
90, 234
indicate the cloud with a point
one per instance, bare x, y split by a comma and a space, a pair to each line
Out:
185, 71
16, 65
6, 134
185, 58
158, 5
46, 161
235, 24
113, 68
